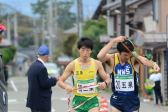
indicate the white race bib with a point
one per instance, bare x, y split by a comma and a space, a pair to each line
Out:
124, 82
83, 83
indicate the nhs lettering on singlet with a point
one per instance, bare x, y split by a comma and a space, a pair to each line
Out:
124, 79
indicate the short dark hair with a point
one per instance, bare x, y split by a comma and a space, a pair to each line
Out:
121, 48
86, 42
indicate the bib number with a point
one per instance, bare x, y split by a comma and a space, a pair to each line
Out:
124, 83
84, 83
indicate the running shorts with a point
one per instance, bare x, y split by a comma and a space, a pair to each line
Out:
92, 103
125, 103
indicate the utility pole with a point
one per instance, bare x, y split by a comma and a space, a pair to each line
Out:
35, 36
43, 29
15, 30
55, 24
15, 25
122, 28
80, 17
8, 26
110, 22
51, 34
167, 50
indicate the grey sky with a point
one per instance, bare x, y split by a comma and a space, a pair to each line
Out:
23, 6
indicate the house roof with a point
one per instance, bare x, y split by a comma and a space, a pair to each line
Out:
99, 10
28, 51
71, 30
155, 37
64, 59
157, 46
152, 40
117, 4
20, 54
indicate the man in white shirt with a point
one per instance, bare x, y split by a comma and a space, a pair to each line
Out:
156, 78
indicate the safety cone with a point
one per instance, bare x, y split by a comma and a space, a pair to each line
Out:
103, 105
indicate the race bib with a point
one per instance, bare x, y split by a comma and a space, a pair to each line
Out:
84, 83
124, 83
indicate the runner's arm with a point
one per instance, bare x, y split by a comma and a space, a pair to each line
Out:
147, 62
103, 54
102, 73
65, 75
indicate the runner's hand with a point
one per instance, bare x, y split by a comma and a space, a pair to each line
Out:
120, 39
102, 85
57, 78
156, 68
68, 89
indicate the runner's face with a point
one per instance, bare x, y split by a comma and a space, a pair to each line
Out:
124, 56
84, 52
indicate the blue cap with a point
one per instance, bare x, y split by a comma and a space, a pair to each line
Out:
43, 50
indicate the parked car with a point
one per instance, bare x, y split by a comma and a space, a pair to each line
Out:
52, 69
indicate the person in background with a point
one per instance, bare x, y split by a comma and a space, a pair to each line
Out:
3, 93
39, 85
6, 74
156, 77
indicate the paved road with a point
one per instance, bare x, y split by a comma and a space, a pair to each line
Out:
17, 92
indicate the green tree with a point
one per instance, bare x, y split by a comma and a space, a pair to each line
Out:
93, 29
25, 37
40, 7
8, 54
68, 44
65, 17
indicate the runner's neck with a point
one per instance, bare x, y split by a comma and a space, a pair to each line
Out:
84, 60
121, 62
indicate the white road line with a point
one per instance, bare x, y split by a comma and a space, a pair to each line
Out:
15, 103
52, 110
64, 99
14, 111
13, 86
12, 100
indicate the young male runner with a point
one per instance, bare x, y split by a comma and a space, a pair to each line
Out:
124, 73
84, 70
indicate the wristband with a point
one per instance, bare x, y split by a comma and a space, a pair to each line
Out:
153, 64
105, 83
